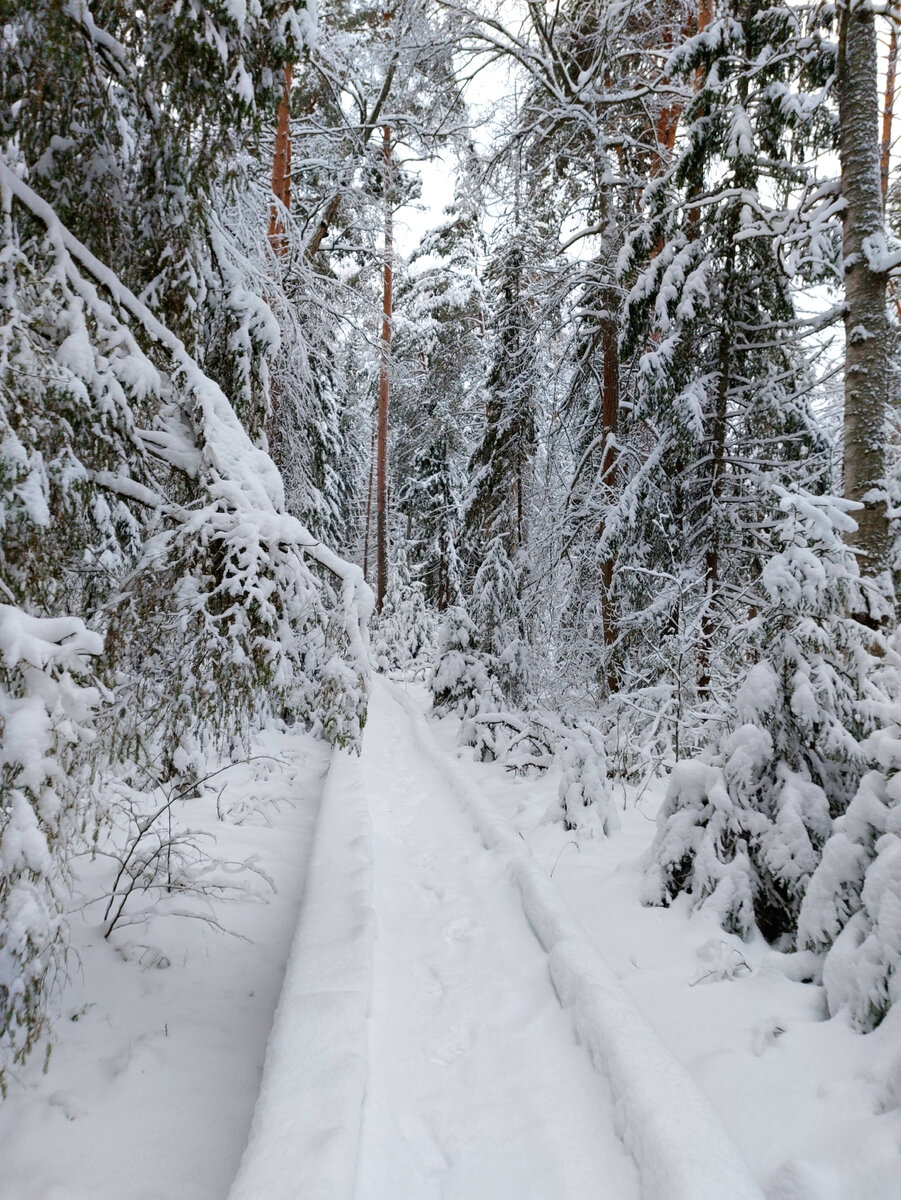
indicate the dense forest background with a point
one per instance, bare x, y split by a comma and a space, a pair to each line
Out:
614, 444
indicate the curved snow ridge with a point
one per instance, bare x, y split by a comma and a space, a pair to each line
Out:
681, 1146
304, 1139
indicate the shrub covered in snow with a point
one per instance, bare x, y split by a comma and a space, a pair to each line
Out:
584, 801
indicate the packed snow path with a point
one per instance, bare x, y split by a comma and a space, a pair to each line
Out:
477, 1087
419, 1049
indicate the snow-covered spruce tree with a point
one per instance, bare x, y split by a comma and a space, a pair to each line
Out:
499, 618
480, 662
500, 466
742, 829
431, 499
489, 674
108, 113
498, 505
719, 409
459, 678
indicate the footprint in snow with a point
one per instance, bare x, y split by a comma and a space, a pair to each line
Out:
67, 1103
461, 929
429, 979
432, 888
459, 1041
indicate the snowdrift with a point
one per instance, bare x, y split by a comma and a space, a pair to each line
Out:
306, 1126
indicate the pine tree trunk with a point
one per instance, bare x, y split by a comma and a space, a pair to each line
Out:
281, 169
888, 110
866, 320
384, 387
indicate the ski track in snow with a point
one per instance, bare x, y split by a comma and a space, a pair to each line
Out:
477, 1087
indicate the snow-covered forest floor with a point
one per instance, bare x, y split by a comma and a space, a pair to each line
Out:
605, 455
811, 1104
153, 1079
475, 1085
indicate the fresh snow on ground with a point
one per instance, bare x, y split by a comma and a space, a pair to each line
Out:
814, 1107
465, 1080
152, 1084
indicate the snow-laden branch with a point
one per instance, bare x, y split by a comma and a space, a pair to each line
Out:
243, 476
881, 257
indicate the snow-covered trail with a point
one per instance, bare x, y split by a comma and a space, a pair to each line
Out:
477, 1087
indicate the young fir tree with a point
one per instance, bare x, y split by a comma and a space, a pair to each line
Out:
498, 615
459, 681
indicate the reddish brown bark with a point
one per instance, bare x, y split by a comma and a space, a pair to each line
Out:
667, 125
281, 169
705, 14
888, 110
281, 191
384, 385
668, 118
